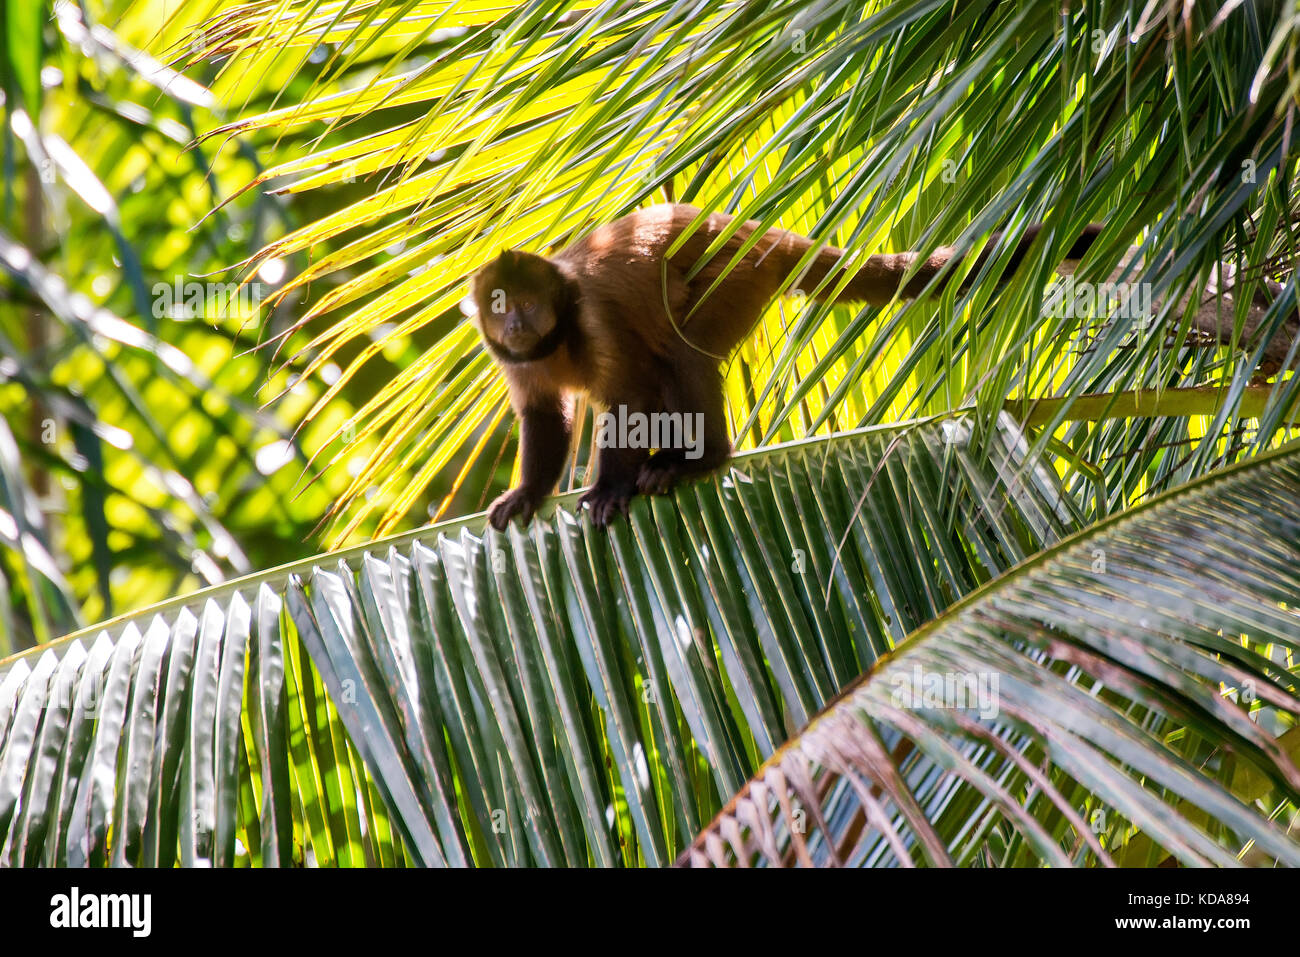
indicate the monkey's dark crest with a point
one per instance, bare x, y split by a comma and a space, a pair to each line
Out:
617, 319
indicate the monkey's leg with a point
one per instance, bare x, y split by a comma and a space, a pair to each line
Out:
616, 472
697, 395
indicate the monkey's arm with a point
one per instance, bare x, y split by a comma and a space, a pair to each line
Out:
544, 429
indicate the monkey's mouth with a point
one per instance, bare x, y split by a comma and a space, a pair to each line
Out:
521, 342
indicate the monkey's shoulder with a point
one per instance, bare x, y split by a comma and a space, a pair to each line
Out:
645, 235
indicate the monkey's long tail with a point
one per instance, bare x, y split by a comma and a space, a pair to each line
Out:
880, 280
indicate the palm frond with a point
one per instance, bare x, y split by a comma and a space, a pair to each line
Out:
1139, 678
458, 696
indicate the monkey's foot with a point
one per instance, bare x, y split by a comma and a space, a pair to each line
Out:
658, 475
517, 501
606, 503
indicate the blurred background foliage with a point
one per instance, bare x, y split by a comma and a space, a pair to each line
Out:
149, 439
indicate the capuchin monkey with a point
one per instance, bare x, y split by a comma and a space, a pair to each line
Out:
615, 318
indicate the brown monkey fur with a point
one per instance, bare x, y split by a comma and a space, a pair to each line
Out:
614, 318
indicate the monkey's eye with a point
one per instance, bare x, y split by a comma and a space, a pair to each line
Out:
527, 305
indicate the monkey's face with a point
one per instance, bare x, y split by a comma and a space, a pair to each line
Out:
515, 297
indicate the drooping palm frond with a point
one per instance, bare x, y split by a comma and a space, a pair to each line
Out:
875, 126
1140, 677
559, 695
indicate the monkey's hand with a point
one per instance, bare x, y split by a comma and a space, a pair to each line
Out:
518, 501
606, 502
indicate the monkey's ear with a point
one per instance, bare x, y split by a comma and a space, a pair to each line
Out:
468, 307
